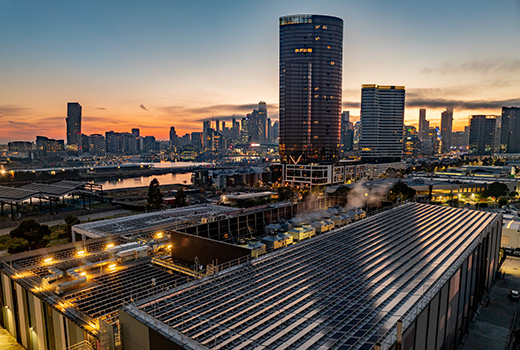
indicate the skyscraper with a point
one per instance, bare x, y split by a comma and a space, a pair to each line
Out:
424, 125
73, 126
446, 129
347, 132
173, 136
311, 62
382, 123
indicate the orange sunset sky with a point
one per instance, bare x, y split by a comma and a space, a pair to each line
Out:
171, 63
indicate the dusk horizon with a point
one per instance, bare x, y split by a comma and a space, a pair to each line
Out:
174, 64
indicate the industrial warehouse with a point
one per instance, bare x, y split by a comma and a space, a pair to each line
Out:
340, 289
420, 266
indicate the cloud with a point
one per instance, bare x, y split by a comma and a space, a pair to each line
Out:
102, 108
351, 104
13, 110
460, 104
219, 110
483, 66
143, 107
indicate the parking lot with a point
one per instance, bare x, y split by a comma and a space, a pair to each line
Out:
491, 327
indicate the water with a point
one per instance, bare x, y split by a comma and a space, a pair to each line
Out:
175, 164
166, 179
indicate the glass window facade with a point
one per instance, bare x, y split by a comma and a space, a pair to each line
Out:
311, 49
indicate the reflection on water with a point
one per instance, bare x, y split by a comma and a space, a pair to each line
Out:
166, 179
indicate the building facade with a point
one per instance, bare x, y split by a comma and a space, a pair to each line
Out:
311, 48
382, 122
510, 130
482, 134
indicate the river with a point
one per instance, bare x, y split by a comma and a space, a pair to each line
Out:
166, 179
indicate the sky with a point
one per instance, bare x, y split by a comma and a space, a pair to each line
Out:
161, 63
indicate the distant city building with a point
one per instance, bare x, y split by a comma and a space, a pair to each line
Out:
257, 127
275, 130
510, 130
73, 126
311, 48
84, 144
411, 142
382, 123
20, 146
47, 147
446, 129
459, 140
347, 133
481, 134
173, 137
244, 130
97, 145
196, 141
424, 125
136, 132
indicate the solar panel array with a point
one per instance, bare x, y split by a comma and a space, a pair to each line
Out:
341, 290
149, 221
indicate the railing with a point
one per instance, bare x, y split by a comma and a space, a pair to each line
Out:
83, 345
52, 299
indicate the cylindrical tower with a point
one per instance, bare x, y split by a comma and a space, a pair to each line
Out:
311, 48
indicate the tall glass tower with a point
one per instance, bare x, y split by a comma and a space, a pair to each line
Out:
311, 48
73, 126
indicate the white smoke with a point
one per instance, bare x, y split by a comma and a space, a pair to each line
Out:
366, 192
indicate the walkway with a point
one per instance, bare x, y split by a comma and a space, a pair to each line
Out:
490, 330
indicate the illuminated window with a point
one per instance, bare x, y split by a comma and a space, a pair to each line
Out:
328, 47
332, 63
317, 38
304, 50
317, 26
325, 27
317, 88
316, 96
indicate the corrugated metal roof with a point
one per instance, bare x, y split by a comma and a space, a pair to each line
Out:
341, 289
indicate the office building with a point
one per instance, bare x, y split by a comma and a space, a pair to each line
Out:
446, 129
311, 48
482, 131
47, 147
73, 126
382, 123
257, 125
510, 130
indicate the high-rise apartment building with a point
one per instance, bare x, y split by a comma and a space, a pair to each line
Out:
446, 129
73, 126
311, 48
510, 130
382, 122
482, 134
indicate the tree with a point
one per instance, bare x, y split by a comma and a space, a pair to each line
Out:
496, 190
155, 197
285, 194
34, 233
402, 191
70, 221
502, 202
180, 199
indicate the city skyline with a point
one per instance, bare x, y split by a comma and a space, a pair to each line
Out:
178, 64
